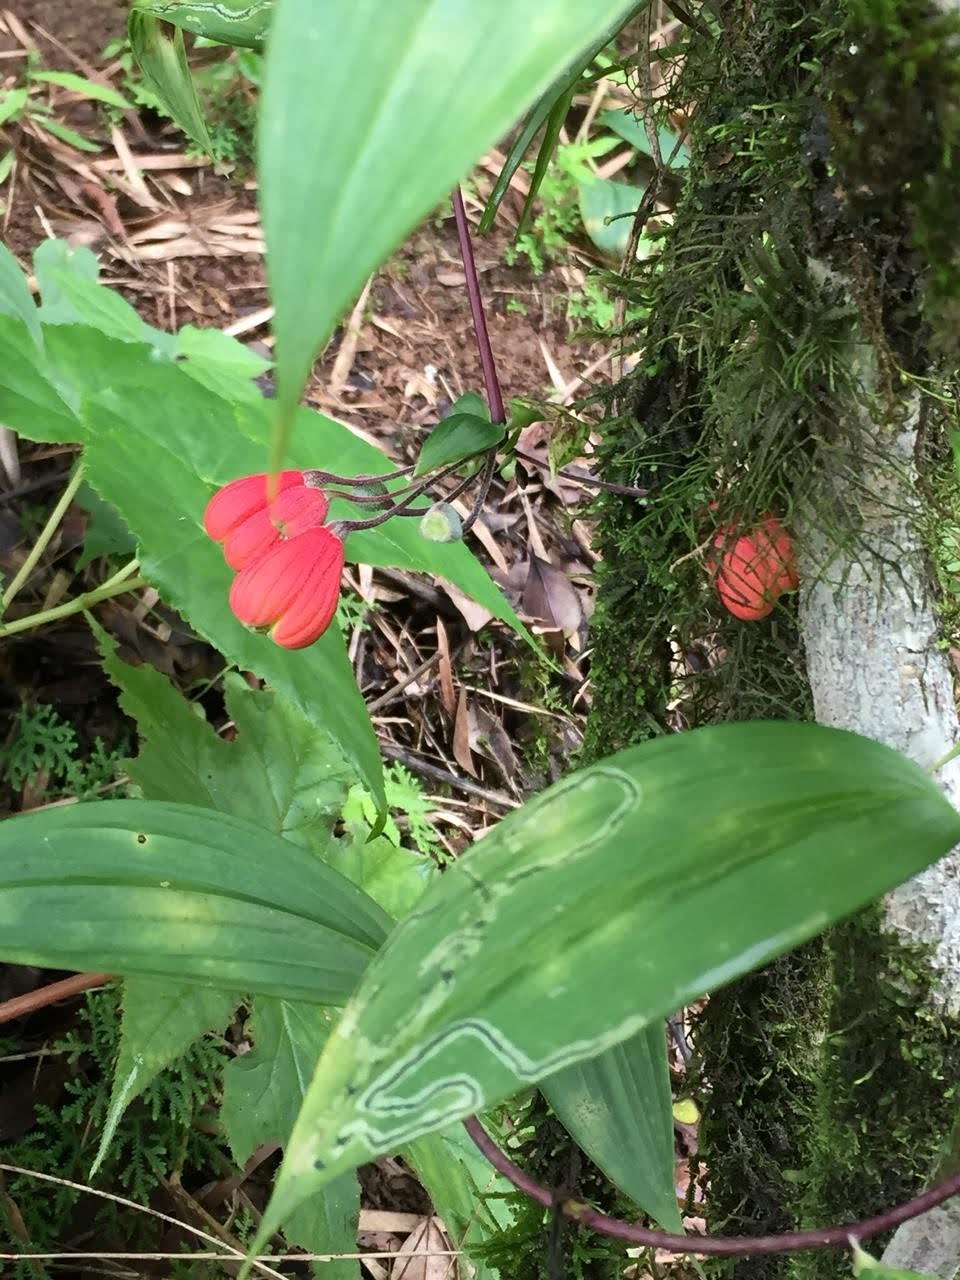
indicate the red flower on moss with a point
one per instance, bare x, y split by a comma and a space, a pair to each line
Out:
293, 589
242, 517
755, 568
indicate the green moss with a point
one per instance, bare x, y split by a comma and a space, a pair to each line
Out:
886, 1097
814, 242
758, 1046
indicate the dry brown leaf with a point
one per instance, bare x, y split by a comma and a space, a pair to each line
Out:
475, 615
550, 596
484, 536
461, 737
385, 1220
447, 695
348, 344
136, 187
490, 739
420, 1257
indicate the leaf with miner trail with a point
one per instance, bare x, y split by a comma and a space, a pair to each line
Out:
523, 958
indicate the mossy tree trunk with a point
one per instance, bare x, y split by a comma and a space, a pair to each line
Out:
799, 356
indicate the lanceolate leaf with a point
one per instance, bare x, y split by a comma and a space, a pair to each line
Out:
170, 890
159, 52
456, 438
617, 1106
556, 937
371, 112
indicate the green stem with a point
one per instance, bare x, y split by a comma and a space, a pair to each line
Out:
43, 541
116, 586
951, 755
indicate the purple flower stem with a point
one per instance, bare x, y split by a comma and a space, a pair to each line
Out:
717, 1246
487, 362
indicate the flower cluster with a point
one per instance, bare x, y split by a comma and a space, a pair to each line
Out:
288, 561
755, 568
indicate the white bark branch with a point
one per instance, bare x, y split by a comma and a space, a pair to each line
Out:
875, 666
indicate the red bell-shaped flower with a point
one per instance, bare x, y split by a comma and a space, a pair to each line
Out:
755, 569
248, 524
293, 588
239, 499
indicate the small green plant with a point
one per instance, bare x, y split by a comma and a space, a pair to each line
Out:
157, 1136
405, 796
227, 85
44, 747
23, 101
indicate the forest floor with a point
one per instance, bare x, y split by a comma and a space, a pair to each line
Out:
458, 701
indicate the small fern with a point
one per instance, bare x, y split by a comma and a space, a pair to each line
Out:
157, 1136
41, 744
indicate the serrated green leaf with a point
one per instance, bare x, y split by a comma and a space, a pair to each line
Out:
554, 938
15, 297
29, 401
220, 362
160, 1021
617, 1107
281, 772
456, 438
162, 61
106, 534
80, 84
262, 1094
176, 891
400, 67
158, 444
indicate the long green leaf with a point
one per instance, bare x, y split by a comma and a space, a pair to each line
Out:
163, 63
541, 110
556, 936
370, 114
617, 1107
167, 890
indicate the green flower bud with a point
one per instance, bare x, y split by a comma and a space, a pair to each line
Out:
441, 524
